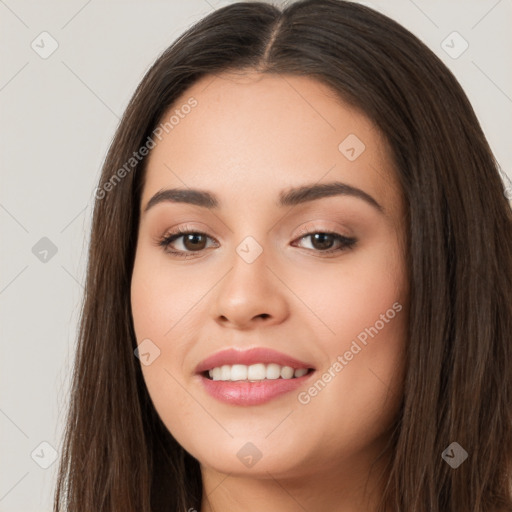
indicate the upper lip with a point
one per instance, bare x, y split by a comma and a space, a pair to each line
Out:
248, 357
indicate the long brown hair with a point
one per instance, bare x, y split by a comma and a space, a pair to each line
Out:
118, 456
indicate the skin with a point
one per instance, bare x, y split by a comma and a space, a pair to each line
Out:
250, 137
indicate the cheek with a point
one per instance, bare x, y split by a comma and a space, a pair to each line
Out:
159, 315
160, 299
346, 298
357, 393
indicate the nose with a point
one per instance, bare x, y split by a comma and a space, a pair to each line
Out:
251, 295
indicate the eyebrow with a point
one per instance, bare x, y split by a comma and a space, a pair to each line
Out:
289, 197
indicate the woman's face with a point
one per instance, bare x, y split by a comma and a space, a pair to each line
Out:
260, 272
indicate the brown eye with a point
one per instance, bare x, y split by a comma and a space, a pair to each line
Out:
323, 242
194, 241
191, 242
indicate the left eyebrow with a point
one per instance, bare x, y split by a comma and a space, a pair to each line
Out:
290, 197
305, 193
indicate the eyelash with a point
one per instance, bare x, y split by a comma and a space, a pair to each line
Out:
346, 242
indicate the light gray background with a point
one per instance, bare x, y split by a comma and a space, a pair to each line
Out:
57, 119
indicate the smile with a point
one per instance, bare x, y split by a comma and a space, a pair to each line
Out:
251, 377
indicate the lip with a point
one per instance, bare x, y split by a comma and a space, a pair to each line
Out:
244, 393
250, 356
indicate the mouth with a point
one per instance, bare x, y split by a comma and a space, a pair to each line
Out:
255, 372
251, 377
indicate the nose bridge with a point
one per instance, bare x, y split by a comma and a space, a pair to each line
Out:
249, 266
251, 239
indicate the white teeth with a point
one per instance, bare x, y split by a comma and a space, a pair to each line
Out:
225, 373
287, 372
255, 372
273, 371
239, 372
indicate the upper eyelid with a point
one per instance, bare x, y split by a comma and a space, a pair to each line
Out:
312, 229
308, 230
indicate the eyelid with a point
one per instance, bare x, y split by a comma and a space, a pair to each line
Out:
312, 227
187, 227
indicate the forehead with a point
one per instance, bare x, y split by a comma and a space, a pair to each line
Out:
250, 134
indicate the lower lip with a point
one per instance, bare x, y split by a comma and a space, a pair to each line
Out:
251, 393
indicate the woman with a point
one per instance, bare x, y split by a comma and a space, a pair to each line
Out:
299, 289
